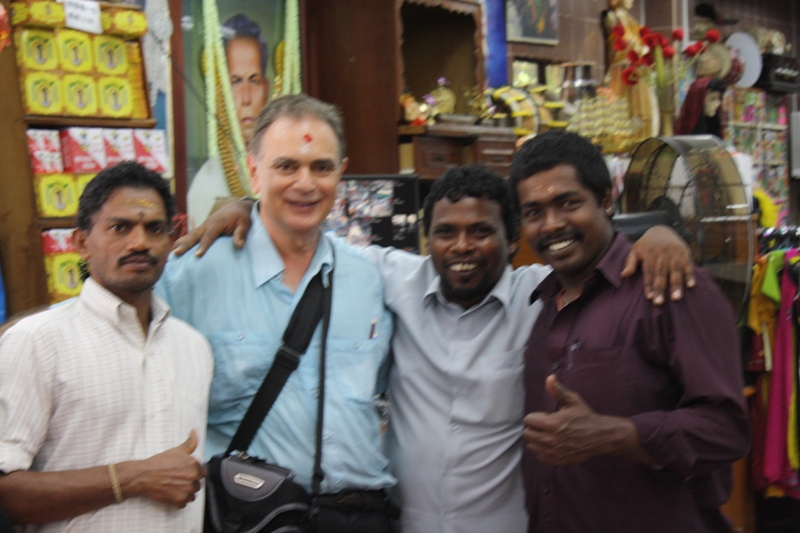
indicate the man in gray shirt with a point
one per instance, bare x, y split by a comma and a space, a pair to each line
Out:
462, 322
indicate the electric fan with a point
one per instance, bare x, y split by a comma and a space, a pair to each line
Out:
691, 184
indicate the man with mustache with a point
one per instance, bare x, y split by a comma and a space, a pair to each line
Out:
456, 386
103, 400
636, 412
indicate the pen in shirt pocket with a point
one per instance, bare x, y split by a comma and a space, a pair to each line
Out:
373, 329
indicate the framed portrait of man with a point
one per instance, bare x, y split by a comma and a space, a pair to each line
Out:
532, 21
251, 32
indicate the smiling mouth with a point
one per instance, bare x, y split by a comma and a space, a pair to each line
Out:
560, 245
463, 267
303, 205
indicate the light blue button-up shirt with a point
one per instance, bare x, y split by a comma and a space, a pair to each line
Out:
457, 398
238, 300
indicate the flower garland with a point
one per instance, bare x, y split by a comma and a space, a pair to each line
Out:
215, 65
292, 82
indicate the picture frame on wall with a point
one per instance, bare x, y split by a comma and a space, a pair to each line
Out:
532, 21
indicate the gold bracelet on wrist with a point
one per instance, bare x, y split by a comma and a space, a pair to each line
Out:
115, 486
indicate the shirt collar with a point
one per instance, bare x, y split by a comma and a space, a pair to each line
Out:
108, 305
609, 268
265, 260
501, 291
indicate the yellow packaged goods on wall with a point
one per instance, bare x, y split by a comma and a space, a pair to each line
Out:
36, 49
55, 195
43, 93
61, 263
63, 275
136, 78
80, 95
44, 14
110, 55
125, 22
74, 51
81, 181
115, 96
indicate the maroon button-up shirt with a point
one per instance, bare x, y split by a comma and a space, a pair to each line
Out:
674, 370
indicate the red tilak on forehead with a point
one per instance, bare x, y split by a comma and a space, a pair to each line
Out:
307, 138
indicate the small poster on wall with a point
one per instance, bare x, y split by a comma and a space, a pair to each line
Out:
377, 209
532, 21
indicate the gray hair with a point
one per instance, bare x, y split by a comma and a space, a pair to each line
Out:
297, 106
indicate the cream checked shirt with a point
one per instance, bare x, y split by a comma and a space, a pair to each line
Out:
81, 386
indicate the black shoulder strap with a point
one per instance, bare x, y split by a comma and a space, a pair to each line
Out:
296, 339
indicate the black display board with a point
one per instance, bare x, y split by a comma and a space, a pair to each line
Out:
380, 209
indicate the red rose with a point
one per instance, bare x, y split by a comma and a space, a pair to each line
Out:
620, 45
633, 57
713, 36
647, 60
644, 31
693, 49
629, 76
618, 31
677, 34
664, 40
669, 52
651, 40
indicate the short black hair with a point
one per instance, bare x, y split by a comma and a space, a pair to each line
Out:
126, 174
241, 26
474, 181
558, 147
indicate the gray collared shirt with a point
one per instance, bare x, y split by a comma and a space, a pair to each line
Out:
457, 398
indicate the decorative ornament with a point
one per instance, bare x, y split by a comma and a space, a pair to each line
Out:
5, 28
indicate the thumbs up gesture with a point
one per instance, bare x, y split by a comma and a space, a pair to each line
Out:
171, 477
570, 435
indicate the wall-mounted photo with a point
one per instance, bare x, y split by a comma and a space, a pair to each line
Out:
532, 21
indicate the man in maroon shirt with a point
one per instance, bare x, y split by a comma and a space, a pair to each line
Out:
635, 411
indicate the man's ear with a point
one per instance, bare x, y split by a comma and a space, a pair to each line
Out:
607, 204
513, 248
79, 237
251, 167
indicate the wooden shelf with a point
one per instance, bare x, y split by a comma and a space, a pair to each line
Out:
89, 122
774, 127
53, 223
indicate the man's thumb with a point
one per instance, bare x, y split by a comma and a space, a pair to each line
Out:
191, 443
559, 392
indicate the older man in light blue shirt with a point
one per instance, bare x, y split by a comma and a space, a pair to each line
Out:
242, 301
238, 300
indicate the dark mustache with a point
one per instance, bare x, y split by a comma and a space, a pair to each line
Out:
545, 240
137, 255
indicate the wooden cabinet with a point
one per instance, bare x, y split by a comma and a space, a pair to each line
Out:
362, 54
439, 147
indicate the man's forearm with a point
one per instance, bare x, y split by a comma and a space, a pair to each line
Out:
40, 497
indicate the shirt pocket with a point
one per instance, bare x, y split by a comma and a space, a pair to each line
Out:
353, 366
599, 375
490, 397
241, 362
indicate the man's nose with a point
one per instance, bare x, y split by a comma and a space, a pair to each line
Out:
139, 239
462, 243
553, 221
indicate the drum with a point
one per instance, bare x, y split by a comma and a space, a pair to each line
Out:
520, 108
746, 49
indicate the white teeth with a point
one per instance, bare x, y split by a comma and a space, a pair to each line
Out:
560, 245
463, 267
